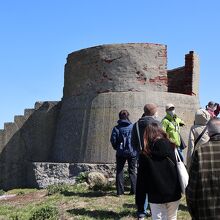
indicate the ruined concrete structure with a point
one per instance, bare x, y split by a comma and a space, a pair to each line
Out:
61, 137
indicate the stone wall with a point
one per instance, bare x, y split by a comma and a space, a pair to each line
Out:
41, 174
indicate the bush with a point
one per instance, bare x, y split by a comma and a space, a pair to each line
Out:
57, 188
19, 193
14, 217
45, 213
2, 192
82, 177
106, 187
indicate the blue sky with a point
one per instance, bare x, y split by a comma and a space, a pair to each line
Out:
37, 36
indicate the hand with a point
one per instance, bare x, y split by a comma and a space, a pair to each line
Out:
181, 124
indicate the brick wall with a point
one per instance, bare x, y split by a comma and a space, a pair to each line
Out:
185, 79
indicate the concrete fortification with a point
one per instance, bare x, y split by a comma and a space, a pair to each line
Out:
98, 83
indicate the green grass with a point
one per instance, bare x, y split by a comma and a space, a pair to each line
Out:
15, 191
75, 203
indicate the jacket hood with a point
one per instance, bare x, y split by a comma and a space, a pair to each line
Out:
201, 117
158, 150
144, 121
170, 118
124, 122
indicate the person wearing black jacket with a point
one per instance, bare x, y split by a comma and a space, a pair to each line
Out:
157, 175
121, 142
149, 116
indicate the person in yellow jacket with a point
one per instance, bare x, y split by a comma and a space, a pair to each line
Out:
171, 125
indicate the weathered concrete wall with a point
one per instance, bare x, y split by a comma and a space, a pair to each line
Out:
29, 138
85, 122
116, 68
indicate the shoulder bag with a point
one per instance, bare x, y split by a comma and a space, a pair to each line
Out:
182, 172
199, 137
138, 134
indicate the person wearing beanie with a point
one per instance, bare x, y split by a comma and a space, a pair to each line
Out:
171, 125
149, 116
198, 134
211, 108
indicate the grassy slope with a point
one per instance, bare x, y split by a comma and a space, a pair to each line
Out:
75, 203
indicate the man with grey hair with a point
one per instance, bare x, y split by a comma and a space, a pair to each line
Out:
203, 190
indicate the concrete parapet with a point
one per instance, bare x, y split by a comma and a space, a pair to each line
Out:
8, 125
28, 112
10, 129
19, 120
45, 105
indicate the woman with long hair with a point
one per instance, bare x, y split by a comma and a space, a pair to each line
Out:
157, 175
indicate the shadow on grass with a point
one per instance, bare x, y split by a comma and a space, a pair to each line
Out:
129, 206
100, 214
88, 194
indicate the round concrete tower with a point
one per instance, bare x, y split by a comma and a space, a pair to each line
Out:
102, 80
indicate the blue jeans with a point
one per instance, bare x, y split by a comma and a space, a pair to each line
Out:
180, 151
144, 213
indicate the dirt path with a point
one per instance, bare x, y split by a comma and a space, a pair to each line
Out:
20, 200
